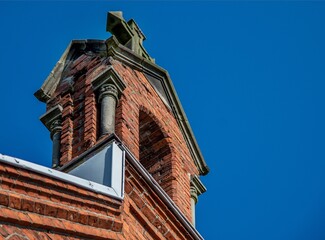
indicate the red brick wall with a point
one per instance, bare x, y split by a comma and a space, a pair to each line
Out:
38, 207
141, 96
155, 151
150, 217
80, 125
33, 206
79, 116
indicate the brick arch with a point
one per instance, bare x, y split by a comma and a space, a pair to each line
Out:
144, 109
155, 150
140, 97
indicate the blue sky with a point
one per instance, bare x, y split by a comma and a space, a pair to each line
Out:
250, 76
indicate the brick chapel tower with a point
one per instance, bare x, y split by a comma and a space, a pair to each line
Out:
125, 162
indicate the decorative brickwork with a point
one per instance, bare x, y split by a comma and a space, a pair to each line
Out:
99, 91
176, 162
140, 112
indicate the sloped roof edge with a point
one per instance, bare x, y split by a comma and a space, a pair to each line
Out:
53, 79
116, 50
44, 93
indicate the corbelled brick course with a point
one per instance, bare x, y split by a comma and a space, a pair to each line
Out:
39, 203
33, 206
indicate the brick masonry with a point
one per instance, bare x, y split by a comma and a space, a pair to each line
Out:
168, 160
33, 206
140, 105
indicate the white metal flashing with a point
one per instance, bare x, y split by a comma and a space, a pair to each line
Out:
89, 185
105, 166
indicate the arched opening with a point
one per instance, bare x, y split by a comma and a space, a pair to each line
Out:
155, 153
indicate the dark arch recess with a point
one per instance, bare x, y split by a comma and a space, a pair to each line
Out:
154, 150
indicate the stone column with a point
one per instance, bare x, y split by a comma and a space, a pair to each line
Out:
109, 87
52, 120
196, 188
194, 199
108, 97
56, 129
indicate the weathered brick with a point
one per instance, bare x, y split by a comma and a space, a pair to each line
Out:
73, 216
39, 208
117, 226
93, 221
83, 217
4, 199
51, 210
28, 205
15, 201
62, 213
105, 223
3, 232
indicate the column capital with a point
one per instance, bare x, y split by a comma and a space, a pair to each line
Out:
109, 81
196, 187
56, 126
52, 119
194, 194
108, 89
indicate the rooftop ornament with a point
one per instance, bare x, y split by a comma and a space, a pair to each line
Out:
127, 33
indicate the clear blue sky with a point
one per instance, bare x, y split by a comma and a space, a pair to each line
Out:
250, 76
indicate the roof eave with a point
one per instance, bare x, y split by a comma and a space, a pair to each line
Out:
48, 87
